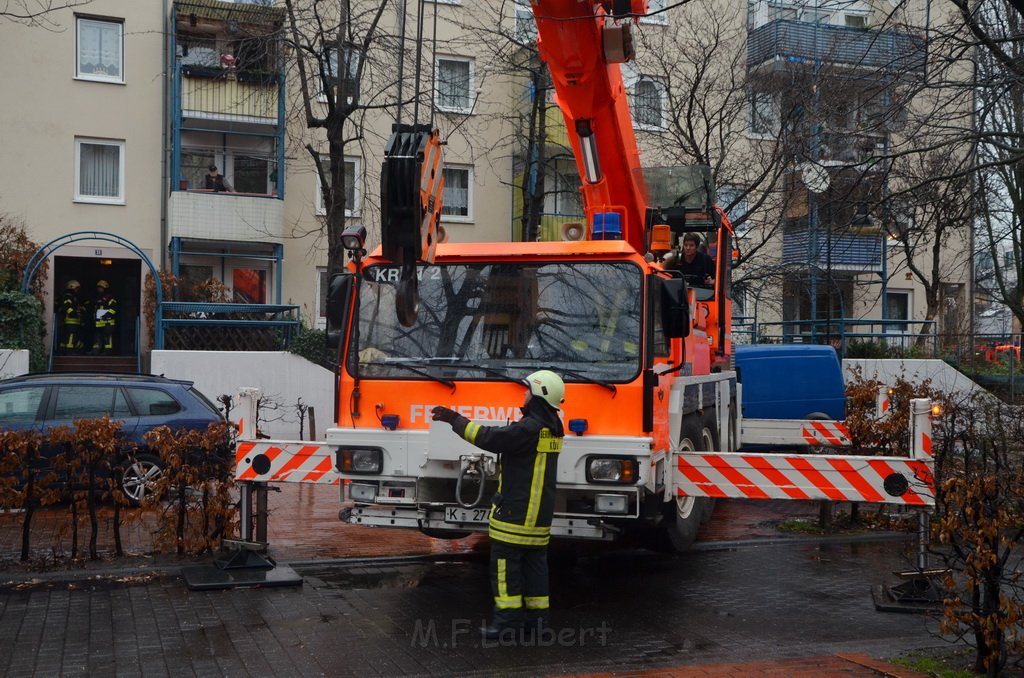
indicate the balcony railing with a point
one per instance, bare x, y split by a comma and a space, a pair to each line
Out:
226, 94
787, 41
225, 216
857, 250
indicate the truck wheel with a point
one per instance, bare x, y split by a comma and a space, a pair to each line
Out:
712, 441
683, 515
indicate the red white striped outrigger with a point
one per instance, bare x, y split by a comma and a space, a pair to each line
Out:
806, 477
897, 480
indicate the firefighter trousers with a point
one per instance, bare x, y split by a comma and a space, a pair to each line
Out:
519, 580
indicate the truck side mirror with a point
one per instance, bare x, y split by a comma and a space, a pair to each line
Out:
338, 294
675, 309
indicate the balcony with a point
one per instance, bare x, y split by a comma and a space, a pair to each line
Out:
787, 44
225, 216
222, 94
856, 250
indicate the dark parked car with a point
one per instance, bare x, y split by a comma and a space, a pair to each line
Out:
42, 401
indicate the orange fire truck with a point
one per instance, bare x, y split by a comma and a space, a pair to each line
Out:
652, 409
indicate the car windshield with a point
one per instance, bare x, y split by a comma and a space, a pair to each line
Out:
510, 318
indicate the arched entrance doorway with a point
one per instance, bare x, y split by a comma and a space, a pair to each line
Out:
120, 267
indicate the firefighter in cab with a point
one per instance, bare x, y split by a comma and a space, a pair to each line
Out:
69, 317
106, 319
520, 520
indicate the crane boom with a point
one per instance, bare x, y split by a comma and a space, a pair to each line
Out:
582, 44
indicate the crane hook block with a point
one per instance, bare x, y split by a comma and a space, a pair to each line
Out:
412, 187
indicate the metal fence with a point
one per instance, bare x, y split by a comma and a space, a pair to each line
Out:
194, 326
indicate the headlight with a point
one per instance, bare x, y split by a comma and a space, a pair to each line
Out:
611, 470
367, 460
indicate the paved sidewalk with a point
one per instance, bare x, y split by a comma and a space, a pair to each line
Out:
142, 621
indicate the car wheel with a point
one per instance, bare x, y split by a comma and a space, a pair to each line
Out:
138, 478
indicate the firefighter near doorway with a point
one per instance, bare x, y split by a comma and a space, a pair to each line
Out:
519, 523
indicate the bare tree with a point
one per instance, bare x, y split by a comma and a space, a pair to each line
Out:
335, 47
36, 13
930, 221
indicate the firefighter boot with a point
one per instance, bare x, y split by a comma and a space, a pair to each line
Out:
505, 626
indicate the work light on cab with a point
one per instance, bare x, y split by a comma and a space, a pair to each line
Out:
611, 470
368, 460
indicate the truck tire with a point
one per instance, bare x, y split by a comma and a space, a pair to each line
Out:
683, 515
712, 441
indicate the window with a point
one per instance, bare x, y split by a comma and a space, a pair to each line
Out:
152, 402
525, 26
655, 13
454, 84
195, 166
856, 20
19, 405
344, 75
458, 204
321, 297
780, 13
100, 50
251, 174
563, 194
735, 207
99, 171
90, 402
898, 308
649, 103
352, 178
764, 114
249, 286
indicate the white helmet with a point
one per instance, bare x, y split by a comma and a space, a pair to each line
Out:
547, 385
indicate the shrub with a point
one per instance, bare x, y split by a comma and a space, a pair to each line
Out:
21, 326
311, 344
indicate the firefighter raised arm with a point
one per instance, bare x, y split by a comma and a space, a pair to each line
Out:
521, 513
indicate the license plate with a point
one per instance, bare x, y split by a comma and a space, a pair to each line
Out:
456, 514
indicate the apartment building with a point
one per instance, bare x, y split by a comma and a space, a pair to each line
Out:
118, 111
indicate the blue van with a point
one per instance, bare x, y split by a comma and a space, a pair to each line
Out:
791, 381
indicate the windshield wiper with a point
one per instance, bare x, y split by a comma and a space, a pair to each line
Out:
457, 362
582, 377
404, 364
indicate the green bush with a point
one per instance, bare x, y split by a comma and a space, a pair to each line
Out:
866, 349
21, 326
311, 344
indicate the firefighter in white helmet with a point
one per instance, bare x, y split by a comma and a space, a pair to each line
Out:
521, 511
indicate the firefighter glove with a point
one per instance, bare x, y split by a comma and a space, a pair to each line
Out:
443, 414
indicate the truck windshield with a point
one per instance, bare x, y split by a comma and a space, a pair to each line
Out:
512, 318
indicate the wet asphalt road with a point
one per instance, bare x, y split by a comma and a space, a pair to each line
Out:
614, 611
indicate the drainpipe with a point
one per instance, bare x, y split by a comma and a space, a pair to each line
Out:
165, 150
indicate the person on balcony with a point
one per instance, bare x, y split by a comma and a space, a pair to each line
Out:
216, 182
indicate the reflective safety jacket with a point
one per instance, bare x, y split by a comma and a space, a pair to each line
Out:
106, 311
70, 312
527, 452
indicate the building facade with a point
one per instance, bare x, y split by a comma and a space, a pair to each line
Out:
117, 115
